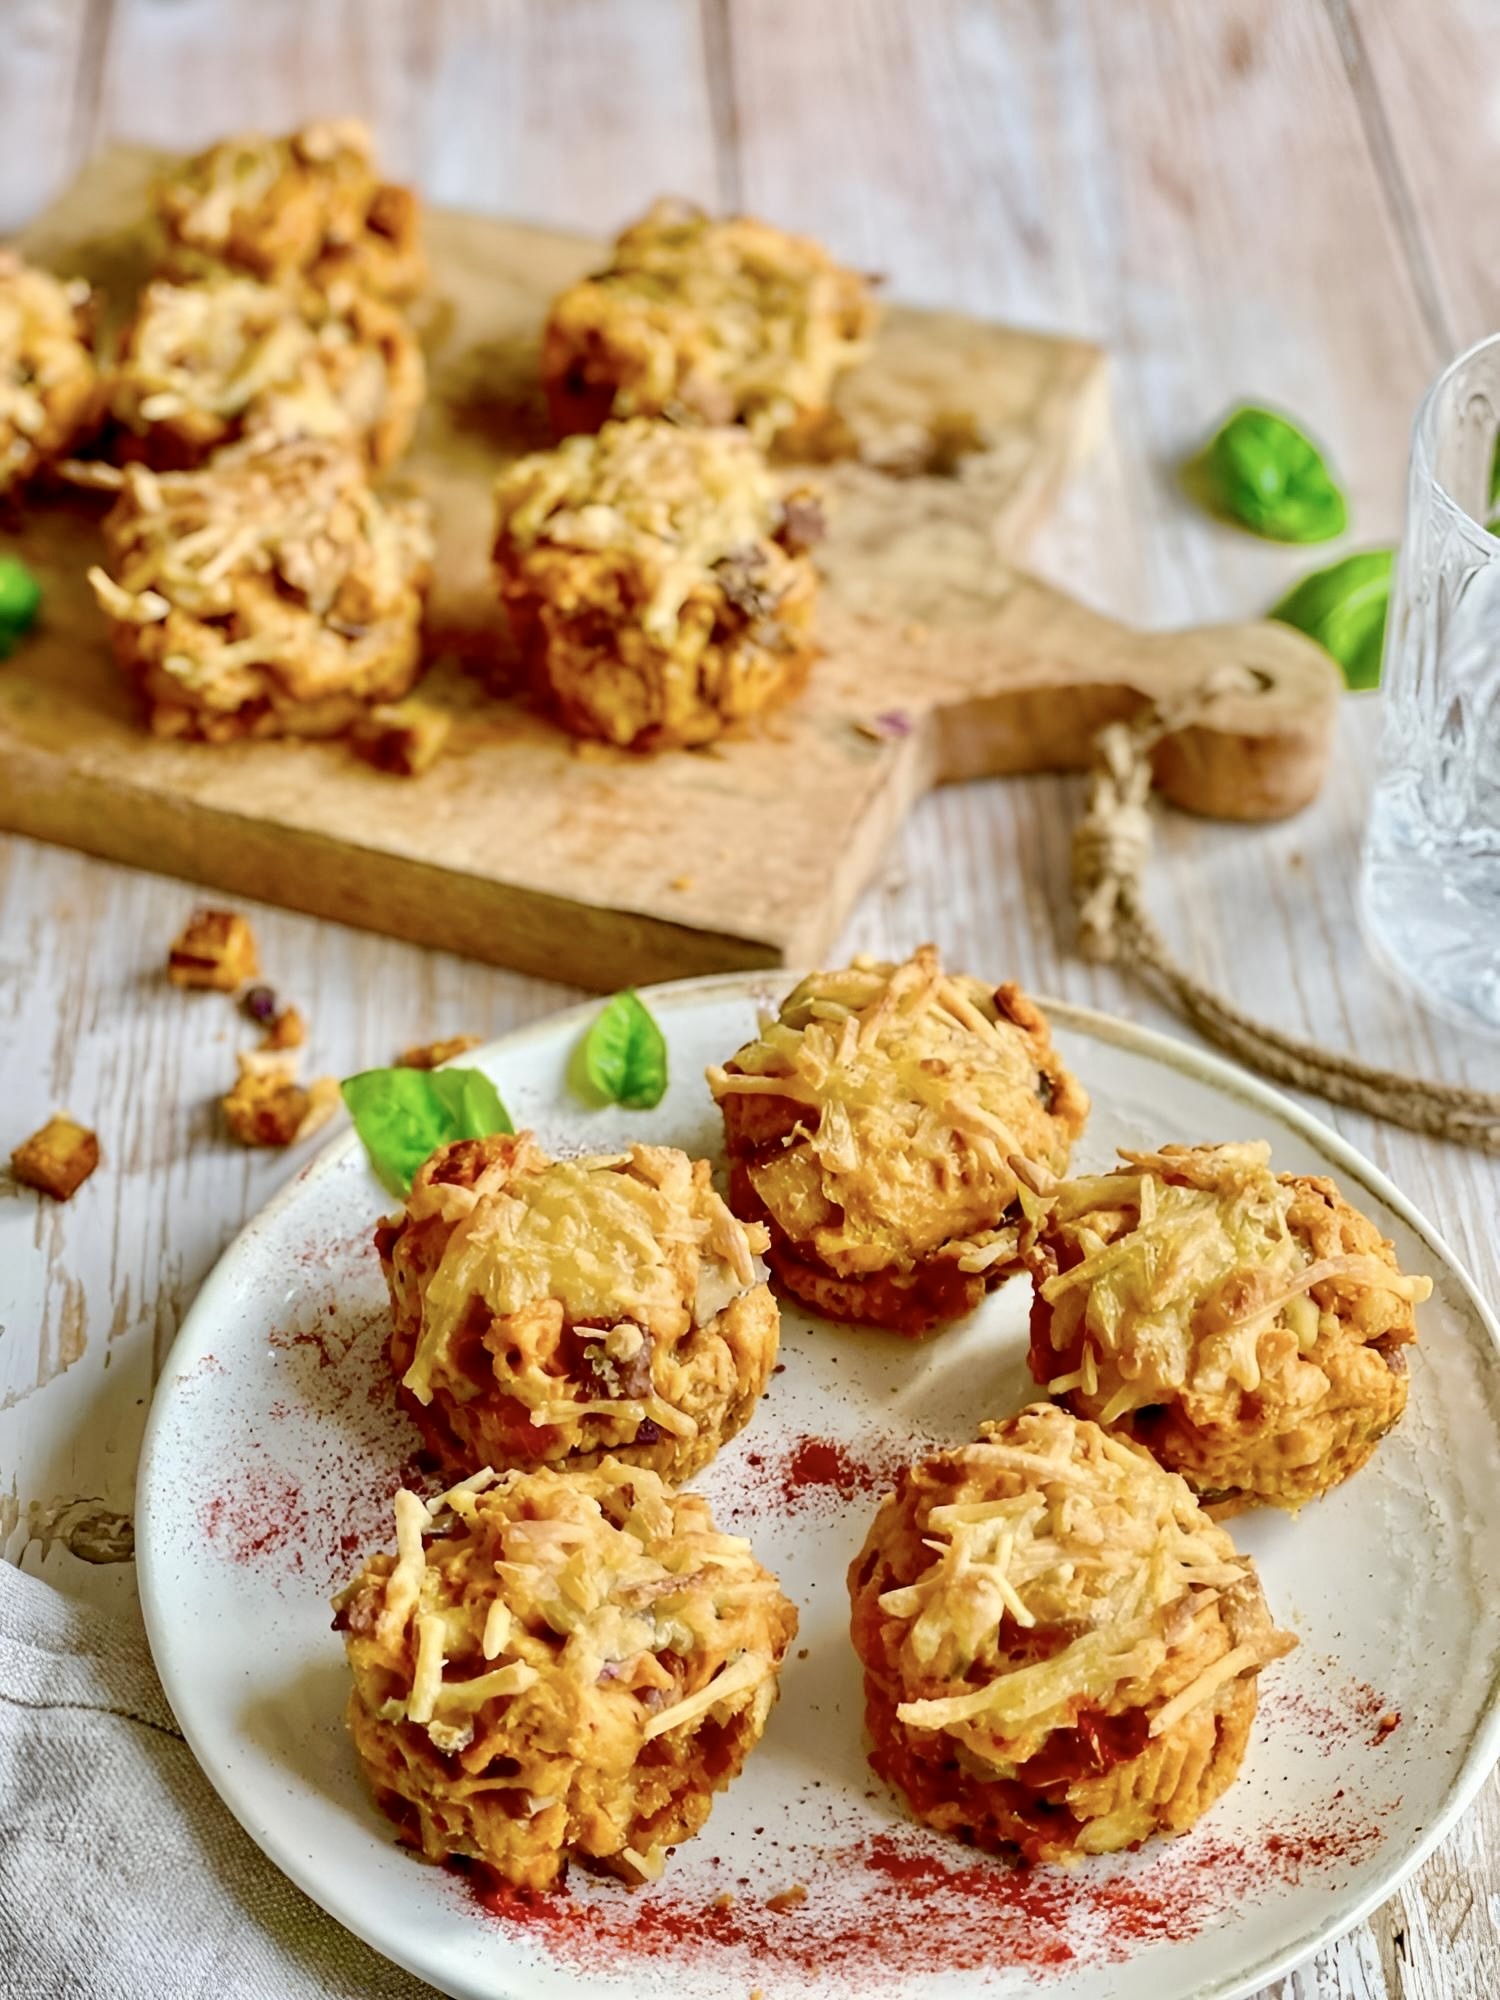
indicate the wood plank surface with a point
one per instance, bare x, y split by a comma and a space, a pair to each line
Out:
1205, 190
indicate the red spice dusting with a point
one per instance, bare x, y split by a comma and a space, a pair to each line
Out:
305, 1489
819, 1472
901, 1901
248, 1520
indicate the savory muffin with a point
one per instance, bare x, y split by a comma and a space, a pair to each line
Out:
1061, 1649
559, 1666
201, 365
310, 205
871, 1126
271, 593
658, 588
1248, 1327
49, 383
549, 1311
713, 322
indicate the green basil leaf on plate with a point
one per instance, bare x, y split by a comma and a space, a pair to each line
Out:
404, 1115
1259, 470
20, 599
623, 1057
1343, 607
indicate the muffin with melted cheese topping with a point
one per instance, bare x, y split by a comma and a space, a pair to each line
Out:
550, 1311
706, 321
307, 206
871, 1126
1248, 1327
201, 365
1061, 1649
50, 393
559, 1666
269, 593
657, 587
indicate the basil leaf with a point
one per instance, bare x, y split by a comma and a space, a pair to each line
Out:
1343, 607
1260, 471
20, 597
404, 1115
623, 1057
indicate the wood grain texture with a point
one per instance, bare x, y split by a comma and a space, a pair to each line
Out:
1193, 187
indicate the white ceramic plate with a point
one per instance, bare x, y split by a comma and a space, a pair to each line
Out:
274, 1448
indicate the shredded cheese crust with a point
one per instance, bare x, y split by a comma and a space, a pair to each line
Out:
310, 204
908, 1090
608, 1294
727, 320
1046, 1572
203, 363
1196, 1277
269, 578
532, 1635
659, 504
49, 384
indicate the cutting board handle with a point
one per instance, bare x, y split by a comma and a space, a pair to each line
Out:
1050, 673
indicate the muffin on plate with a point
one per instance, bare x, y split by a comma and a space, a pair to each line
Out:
1250, 1328
550, 1311
50, 395
558, 1666
270, 593
705, 321
311, 205
658, 587
871, 1127
1061, 1649
201, 365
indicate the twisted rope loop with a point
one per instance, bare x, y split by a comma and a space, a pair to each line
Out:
1111, 846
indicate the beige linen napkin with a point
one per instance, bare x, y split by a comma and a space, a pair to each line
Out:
122, 1877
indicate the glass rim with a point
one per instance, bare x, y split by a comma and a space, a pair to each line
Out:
1424, 447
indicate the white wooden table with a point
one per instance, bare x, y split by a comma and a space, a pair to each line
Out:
1278, 199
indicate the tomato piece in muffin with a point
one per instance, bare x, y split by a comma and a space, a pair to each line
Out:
1249, 1327
559, 1666
1061, 1649
871, 1126
551, 1311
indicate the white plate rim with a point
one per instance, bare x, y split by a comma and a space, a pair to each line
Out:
1483, 1748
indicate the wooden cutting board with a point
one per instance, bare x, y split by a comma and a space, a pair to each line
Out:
942, 661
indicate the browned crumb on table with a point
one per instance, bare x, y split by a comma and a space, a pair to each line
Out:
310, 205
271, 593
787, 1899
428, 1055
58, 1159
215, 949
717, 322
285, 1030
49, 384
658, 586
203, 364
401, 737
269, 1107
